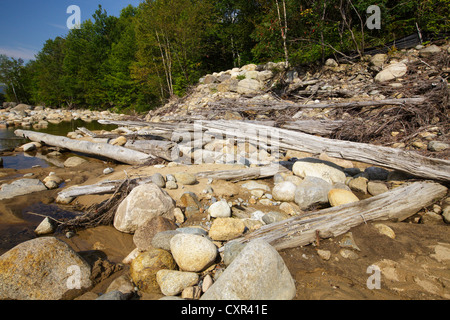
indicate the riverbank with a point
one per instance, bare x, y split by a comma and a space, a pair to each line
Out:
338, 228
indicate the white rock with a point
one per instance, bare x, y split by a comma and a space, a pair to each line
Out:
391, 72
47, 226
220, 209
310, 167
192, 252
249, 86
284, 191
143, 204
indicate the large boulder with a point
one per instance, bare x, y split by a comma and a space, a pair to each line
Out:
143, 204
43, 269
257, 273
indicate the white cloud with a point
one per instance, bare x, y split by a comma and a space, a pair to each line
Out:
19, 52
59, 26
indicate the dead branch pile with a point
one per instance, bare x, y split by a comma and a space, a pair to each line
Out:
102, 213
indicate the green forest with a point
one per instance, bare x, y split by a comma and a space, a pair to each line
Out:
153, 52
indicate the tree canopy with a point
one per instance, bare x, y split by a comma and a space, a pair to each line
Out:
159, 49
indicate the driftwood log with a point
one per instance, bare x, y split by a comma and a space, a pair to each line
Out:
117, 153
243, 174
396, 205
391, 158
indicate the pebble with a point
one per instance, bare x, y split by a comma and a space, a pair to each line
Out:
108, 170
273, 217
347, 241
207, 282
171, 185
384, 229
324, 254
348, 254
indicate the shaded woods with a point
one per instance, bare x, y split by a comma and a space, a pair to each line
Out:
150, 53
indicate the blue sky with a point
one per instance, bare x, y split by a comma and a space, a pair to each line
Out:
25, 25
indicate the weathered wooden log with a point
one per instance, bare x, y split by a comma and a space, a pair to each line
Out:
406, 161
159, 148
243, 174
103, 187
395, 205
320, 127
354, 104
117, 153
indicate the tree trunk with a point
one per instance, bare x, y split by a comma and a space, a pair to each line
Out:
119, 154
391, 158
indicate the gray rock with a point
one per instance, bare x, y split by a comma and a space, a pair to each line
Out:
376, 188
171, 185
113, 295
158, 179
47, 226
143, 204
429, 51
257, 273
43, 269
193, 230
312, 191
161, 240
231, 251
174, 282
21, 187
249, 86
437, 146
274, 216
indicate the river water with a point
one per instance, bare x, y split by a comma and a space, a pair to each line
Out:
9, 141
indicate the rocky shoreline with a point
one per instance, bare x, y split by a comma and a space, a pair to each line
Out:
179, 230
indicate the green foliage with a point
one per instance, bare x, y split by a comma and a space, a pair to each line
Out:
135, 62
